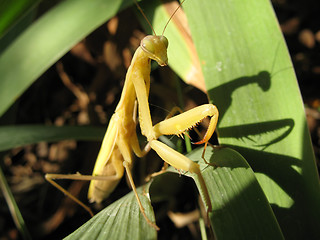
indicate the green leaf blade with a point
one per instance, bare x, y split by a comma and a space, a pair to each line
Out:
120, 220
239, 205
249, 76
45, 41
12, 11
16, 136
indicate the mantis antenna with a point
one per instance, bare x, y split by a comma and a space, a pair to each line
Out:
165, 26
138, 6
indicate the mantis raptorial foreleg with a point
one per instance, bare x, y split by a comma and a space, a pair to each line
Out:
176, 126
185, 120
121, 142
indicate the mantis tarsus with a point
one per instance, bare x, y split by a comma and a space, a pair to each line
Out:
121, 141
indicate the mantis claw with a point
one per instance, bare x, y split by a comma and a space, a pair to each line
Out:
210, 130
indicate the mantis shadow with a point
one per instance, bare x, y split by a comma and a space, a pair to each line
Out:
283, 171
222, 95
281, 128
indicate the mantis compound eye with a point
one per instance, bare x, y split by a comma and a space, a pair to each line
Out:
156, 47
164, 40
148, 45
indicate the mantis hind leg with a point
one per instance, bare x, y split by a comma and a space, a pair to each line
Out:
50, 178
128, 171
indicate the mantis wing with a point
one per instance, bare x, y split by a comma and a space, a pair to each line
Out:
107, 146
106, 150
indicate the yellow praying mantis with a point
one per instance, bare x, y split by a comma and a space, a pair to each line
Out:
120, 142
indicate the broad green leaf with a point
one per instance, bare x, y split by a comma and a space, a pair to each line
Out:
16, 136
48, 39
236, 197
17, 29
120, 220
249, 76
12, 11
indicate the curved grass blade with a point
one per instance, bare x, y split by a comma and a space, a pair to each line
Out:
120, 220
239, 206
12, 11
249, 76
13, 207
46, 40
16, 136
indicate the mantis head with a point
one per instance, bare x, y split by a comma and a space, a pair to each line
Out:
156, 48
